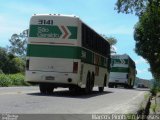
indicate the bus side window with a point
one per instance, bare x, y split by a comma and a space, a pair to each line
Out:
83, 35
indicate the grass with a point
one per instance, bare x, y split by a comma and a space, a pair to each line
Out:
153, 107
12, 80
146, 96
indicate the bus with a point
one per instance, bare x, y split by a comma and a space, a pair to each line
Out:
63, 51
123, 71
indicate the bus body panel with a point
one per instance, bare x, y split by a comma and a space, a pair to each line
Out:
55, 48
47, 45
99, 79
123, 71
118, 77
48, 64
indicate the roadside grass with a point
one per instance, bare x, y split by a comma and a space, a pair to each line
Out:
155, 88
146, 96
7, 80
153, 107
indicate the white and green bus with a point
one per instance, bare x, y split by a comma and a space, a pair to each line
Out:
63, 51
123, 71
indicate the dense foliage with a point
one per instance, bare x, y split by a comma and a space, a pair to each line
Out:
19, 43
9, 63
132, 6
146, 34
147, 37
12, 80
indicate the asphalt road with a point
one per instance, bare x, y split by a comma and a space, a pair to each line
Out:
28, 100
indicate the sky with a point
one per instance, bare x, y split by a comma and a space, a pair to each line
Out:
98, 14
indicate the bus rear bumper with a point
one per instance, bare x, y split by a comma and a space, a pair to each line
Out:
51, 77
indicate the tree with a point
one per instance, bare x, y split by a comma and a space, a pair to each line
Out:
130, 6
146, 32
9, 63
17, 65
3, 59
18, 43
134, 6
147, 37
112, 41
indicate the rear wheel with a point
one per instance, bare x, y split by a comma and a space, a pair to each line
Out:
71, 89
88, 84
126, 86
110, 85
101, 89
92, 82
42, 88
131, 87
50, 90
46, 88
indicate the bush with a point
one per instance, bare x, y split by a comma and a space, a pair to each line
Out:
155, 88
12, 80
17, 65
5, 81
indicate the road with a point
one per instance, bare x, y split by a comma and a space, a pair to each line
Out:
28, 100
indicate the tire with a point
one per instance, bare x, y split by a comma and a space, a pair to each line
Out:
101, 89
92, 82
76, 90
50, 90
46, 88
71, 89
110, 85
131, 87
88, 84
105, 80
42, 88
126, 86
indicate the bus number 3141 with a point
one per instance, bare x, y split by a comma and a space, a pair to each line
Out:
45, 22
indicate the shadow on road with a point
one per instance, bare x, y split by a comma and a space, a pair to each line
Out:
133, 89
142, 89
69, 94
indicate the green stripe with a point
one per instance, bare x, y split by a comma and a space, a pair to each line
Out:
119, 69
71, 52
46, 31
53, 51
73, 31
118, 61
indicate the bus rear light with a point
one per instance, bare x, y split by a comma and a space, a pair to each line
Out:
75, 67
27, 65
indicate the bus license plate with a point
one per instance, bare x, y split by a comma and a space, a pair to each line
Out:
117, 80
49, 77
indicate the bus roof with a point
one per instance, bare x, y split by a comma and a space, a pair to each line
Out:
69, 16
62, 15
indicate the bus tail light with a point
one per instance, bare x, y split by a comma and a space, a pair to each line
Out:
27, 64
75, 67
